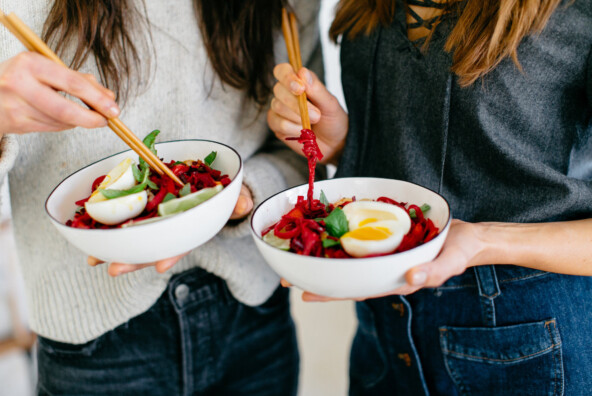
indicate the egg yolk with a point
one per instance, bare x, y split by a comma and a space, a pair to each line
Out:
369, 233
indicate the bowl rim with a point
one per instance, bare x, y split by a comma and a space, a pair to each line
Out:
361, 259
56, 221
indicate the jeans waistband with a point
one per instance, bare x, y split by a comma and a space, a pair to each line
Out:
196, 286
489, 278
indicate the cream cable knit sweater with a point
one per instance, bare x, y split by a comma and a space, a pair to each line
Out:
72, 302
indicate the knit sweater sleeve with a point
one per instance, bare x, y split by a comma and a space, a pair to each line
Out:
8, 153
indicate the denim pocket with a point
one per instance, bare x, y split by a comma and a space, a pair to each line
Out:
56, 348
368, 363
523, 359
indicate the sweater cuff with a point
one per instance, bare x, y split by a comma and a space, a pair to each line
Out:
8, 153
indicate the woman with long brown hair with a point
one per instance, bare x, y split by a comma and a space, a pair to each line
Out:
488, 103
214, 321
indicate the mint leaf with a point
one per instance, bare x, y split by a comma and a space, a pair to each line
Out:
168, 197
151, 184
323, 199
424, 208
210, 158
186, 190
327, 243
336, 223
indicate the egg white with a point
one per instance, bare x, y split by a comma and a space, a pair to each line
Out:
119, 178
117, 210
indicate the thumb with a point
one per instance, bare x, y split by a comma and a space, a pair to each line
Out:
244, 204
317, 93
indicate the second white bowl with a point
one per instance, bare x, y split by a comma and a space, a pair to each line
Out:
355, 277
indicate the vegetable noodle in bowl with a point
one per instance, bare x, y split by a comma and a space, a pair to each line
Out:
357, 239
117, 209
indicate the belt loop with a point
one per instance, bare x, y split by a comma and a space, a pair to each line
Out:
488, 290
487, 281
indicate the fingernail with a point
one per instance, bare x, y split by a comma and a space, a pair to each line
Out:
296, 87
285, 283
308, 77
419, 278
113, 111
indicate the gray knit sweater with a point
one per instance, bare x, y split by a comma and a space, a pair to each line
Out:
72, 302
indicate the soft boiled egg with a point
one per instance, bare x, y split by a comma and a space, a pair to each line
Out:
374, 228
119, 178
117, 210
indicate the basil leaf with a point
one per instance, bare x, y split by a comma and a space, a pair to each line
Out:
111, 194
151, 184
424, 208
137, 173
210, 158
186, 190
327, 243
336, 223
323, 199
149, 142
168, 197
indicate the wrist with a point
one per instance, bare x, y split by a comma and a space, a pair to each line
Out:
487, 250
495, 242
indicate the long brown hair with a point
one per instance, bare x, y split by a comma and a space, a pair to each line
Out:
487, 31
238, 35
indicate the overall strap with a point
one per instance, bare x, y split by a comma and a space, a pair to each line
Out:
489, 289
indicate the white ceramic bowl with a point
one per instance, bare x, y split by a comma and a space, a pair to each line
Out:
356, 277
168, 237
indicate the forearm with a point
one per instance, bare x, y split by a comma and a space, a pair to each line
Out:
562, 247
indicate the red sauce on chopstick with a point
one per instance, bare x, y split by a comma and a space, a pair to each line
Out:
312, 152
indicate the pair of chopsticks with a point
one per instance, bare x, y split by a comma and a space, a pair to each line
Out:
33, 43
290, 30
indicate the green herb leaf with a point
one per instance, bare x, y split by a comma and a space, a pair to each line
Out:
137, 173
111, 194
336, 223
424, 208
210, 158
151, 184
149, 142
327, 243
168, 197
179, 163
150, 139
323, 199
186, 190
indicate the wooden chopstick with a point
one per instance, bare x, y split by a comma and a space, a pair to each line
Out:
290, 30
33, 43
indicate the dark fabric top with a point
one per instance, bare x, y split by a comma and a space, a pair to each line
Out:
516, 146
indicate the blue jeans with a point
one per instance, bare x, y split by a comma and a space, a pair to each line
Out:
494, 330
196, 340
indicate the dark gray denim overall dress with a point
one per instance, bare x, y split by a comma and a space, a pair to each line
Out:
513, 147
